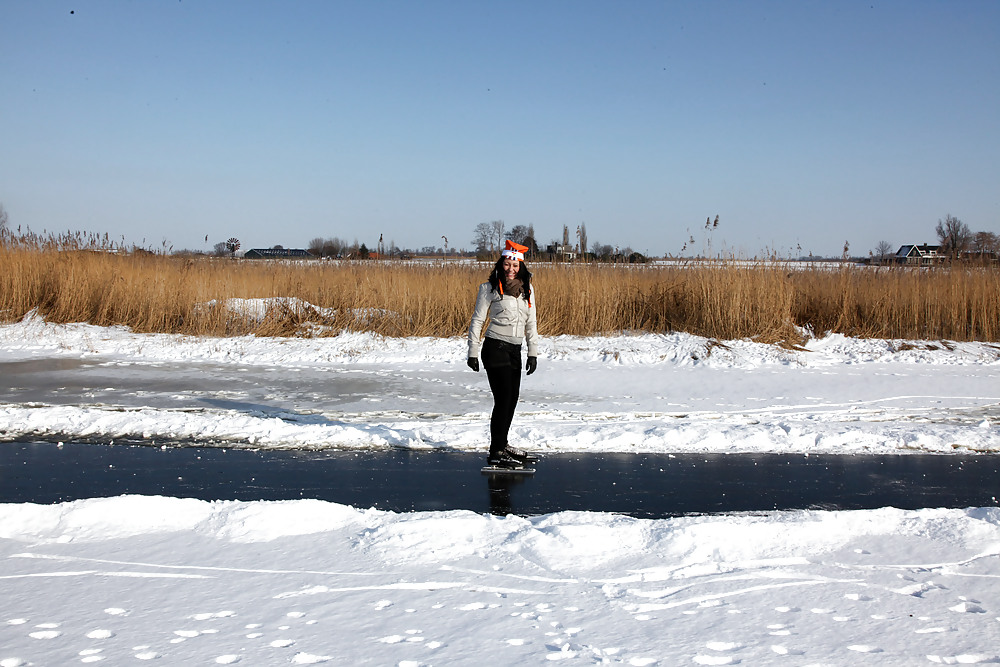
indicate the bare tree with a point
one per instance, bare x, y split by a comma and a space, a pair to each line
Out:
603, 251
582, 235
954, 235
315, 247
531, 241
985, 243
331, 247
518, 234
482, 237
883, 251
4, 219
499, 230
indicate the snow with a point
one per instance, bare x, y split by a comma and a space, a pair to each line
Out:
641, 393
181, 581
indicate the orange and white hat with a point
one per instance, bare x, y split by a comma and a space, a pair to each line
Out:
514, 250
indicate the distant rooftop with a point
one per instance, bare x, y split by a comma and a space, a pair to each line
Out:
277, 253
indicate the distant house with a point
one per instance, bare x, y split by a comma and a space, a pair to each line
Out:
560, 252
277, 253
918, 254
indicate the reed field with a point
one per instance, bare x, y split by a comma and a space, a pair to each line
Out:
765, 301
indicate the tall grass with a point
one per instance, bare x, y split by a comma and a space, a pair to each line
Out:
956, 303
764, 301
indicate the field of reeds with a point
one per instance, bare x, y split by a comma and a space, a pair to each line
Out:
765, 301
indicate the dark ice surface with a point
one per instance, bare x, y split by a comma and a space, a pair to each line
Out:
640, 485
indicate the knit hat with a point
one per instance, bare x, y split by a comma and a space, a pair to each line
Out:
514, 250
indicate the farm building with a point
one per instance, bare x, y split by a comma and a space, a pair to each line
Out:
277, 253
919, 254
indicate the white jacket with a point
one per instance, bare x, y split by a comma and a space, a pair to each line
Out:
512, 319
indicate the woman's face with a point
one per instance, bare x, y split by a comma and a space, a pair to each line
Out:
510, 268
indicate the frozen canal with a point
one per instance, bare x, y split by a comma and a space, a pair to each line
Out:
640, 485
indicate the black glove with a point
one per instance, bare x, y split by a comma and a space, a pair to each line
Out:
532, 364
473, 364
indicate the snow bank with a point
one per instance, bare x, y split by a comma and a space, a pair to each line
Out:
565, 541
33, 336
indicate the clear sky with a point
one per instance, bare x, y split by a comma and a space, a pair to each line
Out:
800, 124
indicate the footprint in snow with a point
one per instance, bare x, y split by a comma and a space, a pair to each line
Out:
211, 615
702, 659
717, 658
564, 652
916, 590
723, 646
100, 634
864, 648
964, 659
45, 631
966, 606
778, 630
309, 659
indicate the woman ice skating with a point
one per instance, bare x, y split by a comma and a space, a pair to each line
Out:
508, 298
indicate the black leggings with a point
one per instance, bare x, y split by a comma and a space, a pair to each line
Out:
502, 362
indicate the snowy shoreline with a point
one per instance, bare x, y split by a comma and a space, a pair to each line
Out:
628, 393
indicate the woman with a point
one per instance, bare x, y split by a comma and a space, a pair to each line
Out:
509, 300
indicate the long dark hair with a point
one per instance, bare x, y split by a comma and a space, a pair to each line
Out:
522, 274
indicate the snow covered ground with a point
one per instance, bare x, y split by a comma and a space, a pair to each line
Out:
645, 393
183, 582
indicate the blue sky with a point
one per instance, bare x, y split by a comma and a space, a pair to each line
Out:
802, 125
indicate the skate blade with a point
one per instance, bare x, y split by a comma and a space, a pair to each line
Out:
494, 470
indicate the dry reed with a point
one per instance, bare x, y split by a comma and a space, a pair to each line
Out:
765, 301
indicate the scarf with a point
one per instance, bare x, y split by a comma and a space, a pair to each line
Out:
514, 288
